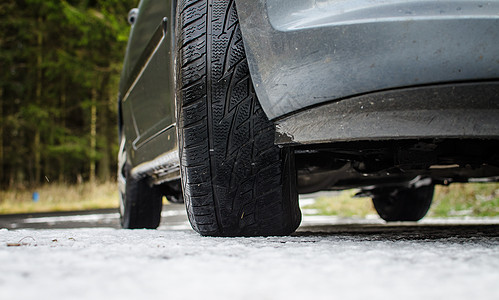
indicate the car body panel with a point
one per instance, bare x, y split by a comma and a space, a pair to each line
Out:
147, 87
468, 110
307, 52
150, 15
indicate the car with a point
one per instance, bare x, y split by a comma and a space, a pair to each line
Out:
237, 107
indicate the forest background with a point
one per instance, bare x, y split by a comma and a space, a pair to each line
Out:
60, 65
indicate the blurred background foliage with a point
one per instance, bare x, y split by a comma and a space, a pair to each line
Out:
60, 64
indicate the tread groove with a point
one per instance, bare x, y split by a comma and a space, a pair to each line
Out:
209, 50
190, 84
189, 5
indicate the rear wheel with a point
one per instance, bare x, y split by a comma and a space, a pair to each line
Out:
234, 179
408, 204
140, 203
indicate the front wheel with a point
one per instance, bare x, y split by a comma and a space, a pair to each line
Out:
404, 204
235, 181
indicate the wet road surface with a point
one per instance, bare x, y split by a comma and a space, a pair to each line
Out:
174, 218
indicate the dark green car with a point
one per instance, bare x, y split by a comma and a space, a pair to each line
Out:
236, 107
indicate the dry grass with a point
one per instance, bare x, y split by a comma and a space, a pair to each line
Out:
459, 199
470, 199
60, 197
343, 204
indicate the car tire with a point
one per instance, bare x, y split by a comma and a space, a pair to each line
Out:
235, 180
408, 204
140, 205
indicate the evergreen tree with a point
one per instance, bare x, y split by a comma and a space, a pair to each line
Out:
60, 63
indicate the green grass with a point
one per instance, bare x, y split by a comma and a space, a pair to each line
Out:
60, 197
470, 199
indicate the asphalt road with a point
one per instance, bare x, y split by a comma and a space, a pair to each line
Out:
175, 218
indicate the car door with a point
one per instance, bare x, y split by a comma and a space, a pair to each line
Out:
147, 87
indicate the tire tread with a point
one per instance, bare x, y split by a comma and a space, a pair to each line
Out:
228, 188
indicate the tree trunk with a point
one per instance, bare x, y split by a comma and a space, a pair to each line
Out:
62, 165
93, 134
2, 124
104, 148
38, 100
